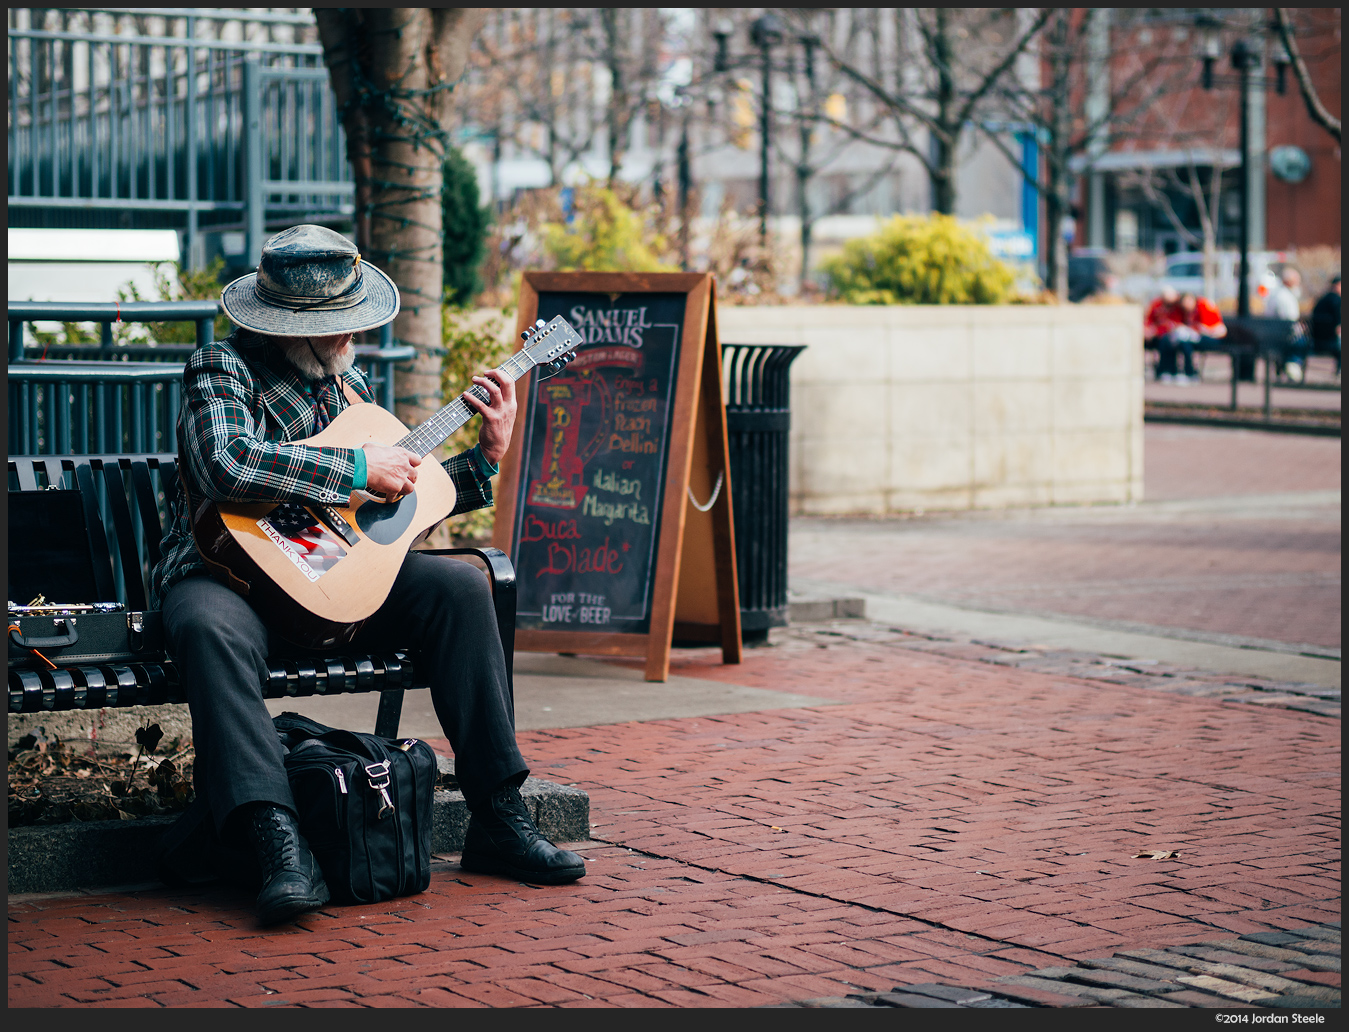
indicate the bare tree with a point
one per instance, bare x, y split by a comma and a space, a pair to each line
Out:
961, 60
1152, 185
532, 81
820, 99
1137, 77
629, 42
550, 81
393, 71
1315, 108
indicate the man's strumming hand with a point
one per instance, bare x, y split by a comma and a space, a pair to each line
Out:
389, 470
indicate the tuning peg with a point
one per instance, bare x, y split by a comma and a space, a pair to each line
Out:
540, 324
524, 335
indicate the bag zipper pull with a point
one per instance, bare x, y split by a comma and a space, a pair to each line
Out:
341, 779
381, 770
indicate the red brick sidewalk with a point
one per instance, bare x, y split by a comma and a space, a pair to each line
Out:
946, 822
1264, 570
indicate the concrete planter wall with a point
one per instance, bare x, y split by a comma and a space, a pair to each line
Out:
899, 408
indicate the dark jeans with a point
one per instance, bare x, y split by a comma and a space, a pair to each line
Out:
439, 606
1167, 348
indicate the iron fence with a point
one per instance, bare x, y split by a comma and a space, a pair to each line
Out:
111, 398
217, 133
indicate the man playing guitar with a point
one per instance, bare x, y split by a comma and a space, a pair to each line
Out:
280, 377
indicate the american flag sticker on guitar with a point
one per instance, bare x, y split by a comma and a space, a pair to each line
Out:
306, 542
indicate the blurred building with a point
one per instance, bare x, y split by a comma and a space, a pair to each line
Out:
1146, 189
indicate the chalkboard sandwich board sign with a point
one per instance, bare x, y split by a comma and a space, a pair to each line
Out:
614, 501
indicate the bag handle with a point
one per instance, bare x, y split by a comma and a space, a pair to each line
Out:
293, 728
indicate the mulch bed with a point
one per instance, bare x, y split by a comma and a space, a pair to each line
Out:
53, 782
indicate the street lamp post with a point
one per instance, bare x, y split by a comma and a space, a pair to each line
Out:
1246, 62
765, 32
685, 176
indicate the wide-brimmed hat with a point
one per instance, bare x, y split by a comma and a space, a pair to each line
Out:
311, 282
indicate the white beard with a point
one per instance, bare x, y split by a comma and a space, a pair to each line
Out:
315, 363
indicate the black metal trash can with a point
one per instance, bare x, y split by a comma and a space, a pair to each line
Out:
758, 420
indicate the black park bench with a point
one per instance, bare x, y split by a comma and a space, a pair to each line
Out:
84, 532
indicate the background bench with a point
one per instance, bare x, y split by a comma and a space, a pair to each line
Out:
94, 525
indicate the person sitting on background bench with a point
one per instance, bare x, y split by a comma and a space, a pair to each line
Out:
282, 376
1325, 323
1285, 302
1174, 323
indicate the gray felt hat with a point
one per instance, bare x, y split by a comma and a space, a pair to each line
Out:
311, 282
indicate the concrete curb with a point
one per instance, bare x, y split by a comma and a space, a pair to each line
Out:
822, 609
1316, 429
101, 854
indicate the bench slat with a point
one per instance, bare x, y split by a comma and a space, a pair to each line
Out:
83, 477
126, 536
144, 492
23, 469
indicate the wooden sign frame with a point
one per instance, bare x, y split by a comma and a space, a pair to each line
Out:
694, 587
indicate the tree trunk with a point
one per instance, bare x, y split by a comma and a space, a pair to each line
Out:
617, 115
942, 174
392, 72
807, 223
1056, 163
945, 137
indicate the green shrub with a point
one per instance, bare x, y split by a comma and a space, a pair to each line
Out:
182, 284
605, 235
919, 260
474, 342
465, 223
172, 283
70, 333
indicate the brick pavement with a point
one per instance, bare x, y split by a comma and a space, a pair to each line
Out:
1202, 462
950, 822
1152, 675
1240, 566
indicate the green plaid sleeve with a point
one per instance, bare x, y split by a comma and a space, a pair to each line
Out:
472, 482
230, 446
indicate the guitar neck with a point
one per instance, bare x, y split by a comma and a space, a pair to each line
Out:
429, 435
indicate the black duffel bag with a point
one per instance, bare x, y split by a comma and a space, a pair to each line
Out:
364, 805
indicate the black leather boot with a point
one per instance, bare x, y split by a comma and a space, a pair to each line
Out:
292, 883
503, 839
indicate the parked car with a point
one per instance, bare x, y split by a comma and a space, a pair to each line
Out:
1185, 272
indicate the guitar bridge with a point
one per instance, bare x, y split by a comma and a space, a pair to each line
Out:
333, 520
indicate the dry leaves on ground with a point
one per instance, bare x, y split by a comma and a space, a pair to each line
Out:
53, 782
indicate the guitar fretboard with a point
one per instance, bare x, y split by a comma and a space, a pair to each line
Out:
435, 430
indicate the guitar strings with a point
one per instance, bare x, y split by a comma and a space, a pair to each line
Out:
457, 413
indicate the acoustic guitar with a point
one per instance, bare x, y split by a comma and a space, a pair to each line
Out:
318, 572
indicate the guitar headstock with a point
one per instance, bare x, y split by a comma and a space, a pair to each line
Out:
551, 345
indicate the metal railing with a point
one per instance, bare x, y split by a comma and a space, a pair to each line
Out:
108, 398
202, 313
212, 133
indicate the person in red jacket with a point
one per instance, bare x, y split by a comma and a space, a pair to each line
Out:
1174, 323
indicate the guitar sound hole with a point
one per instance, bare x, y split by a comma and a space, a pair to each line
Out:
384, 523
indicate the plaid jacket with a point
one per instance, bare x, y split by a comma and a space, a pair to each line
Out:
242, 401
